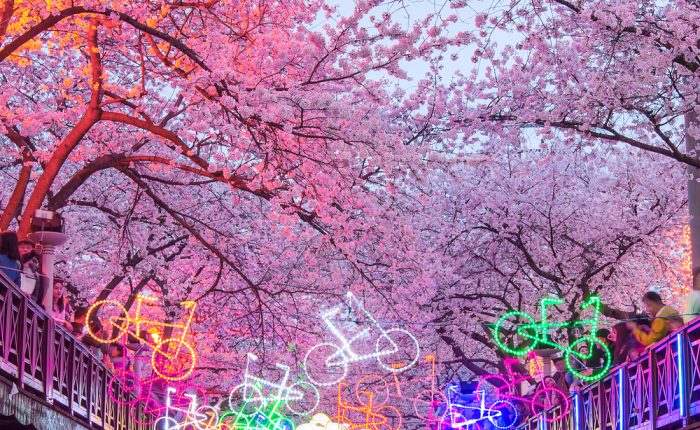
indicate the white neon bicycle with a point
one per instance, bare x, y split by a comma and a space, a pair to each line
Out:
190, 416
301, 398
327, 363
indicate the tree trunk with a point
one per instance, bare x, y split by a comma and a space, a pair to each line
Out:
7, 7
691, 120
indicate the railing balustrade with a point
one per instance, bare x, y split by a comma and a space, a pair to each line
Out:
46, 361
661, 389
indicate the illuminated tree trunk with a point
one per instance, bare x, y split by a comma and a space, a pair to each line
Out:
691, 119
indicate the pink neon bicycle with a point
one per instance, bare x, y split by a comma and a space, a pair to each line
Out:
505, 387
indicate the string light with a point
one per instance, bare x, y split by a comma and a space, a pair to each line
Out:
534, 334
172, 367
264, 417
375, 418
336, 357
460, 415
505, 388
536, 365
295, 395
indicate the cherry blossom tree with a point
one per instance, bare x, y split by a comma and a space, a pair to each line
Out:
591, 73
221, 152
249, 157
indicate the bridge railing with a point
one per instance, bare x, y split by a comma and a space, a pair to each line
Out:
46, 361
661, 389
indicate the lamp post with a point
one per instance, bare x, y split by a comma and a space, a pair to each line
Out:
47, 229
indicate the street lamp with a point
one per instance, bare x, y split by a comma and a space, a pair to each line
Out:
47, 229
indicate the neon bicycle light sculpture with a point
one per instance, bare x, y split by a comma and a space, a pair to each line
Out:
140, 391
506, 388
335, 357
529, 335
502, 414
375, 417
195, 417
262, 416
300, 398
170, 365
426, 404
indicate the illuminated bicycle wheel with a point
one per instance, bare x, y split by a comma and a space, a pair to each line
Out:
503, 414
302, 398
547, 398
205, 418
325, 365
113, 319
146, 411
374, 384
165, 423
391, 418
575, 361
173, 360
245, 401
511, 337
430, 404
124, 387
455, 420
493, 387
406, 354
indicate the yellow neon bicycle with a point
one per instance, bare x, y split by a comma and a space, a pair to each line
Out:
172, 358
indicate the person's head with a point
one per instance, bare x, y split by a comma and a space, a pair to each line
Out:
9, 245
548, 381
583, 349
59, 297
559, 364
603, 335
57, 288
80, 314
26, 247
652, 302
116, 351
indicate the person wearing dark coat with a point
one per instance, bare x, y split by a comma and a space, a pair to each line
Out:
9, 256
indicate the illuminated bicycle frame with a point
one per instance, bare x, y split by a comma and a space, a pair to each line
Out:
538, 334
265, 417
159, 347
373, 416
193, 416
507, 388
431, 398
486, 412
252, 389
344, 353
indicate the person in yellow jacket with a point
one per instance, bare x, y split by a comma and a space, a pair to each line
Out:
663, 316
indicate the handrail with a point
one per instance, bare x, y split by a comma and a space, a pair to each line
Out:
45, 360
659, 389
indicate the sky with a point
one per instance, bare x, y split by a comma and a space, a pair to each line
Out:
408, 12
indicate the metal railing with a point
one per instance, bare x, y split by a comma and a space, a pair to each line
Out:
661, 389
43, 359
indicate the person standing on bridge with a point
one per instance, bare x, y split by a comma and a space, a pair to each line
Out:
9, 256
660, 324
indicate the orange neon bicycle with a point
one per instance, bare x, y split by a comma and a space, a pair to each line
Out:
429, 404
172, 358
366, 416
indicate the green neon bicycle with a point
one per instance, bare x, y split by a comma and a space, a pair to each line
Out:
517, 333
